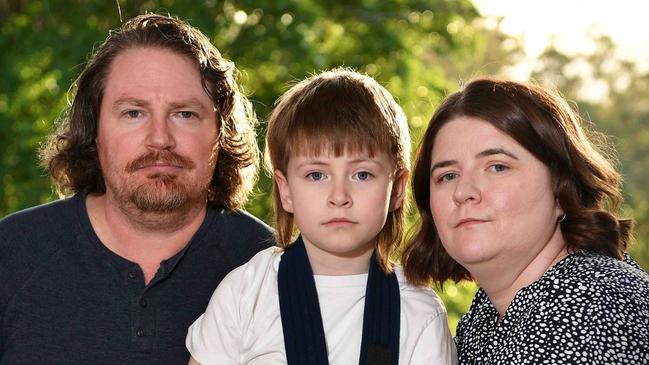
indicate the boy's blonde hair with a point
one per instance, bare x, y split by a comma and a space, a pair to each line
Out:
339, 111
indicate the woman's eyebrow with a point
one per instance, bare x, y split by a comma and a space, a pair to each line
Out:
441, 164
485, 153
496, 151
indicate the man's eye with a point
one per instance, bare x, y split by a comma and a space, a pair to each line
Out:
133, 113
186, 114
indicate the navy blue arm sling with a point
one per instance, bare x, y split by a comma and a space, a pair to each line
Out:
304, 336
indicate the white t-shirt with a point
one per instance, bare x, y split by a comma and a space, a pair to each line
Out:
242, 323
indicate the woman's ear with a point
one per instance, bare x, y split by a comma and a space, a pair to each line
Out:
559, 213
399, 189
284, 191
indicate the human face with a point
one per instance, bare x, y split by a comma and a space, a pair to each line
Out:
492, 201
157, 133
340, 204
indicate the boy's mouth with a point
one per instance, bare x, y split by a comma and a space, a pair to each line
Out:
339, 222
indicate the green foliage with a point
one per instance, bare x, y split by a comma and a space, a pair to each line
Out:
410, 46
418, 49
457, 299
622, 113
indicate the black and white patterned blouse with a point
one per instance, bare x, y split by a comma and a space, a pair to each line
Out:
587, 309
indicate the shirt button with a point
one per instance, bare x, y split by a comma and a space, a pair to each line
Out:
143, 303
139, 332
131, 274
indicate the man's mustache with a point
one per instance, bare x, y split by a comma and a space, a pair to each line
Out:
153, 157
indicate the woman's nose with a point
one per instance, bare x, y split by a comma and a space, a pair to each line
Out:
466, 190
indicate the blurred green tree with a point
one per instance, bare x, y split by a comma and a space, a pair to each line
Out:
419, 50
613, 98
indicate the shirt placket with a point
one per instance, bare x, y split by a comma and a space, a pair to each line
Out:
144, 326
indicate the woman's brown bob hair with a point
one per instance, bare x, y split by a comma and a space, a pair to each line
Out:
338, 111
586, 185
70, 154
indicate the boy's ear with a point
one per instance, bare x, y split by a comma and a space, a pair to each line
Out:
284, 191
399, 189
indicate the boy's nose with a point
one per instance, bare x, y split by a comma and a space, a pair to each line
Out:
339, 196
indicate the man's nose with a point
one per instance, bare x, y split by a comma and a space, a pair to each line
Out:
160, 133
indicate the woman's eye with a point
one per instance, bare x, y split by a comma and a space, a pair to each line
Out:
498, 167
447, 177
315, 176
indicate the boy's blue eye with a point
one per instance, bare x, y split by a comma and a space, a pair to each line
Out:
315, 176
363, 175
133, 113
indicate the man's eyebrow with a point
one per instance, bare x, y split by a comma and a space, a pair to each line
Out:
189, 103
130, 101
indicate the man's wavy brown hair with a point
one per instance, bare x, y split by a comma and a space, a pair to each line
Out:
585, 183
70, 153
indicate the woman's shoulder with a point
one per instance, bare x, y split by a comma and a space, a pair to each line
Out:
604, 290
600, 273
609, 298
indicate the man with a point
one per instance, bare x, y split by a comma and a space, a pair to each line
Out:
159, 151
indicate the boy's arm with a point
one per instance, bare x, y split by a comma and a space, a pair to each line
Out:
194, 362
435, 344
215, 337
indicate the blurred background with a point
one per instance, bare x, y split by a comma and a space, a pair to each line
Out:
595, 52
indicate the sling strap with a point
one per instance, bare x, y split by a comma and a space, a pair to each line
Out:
304, 337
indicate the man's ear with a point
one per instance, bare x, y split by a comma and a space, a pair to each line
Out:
284, 191
399, 189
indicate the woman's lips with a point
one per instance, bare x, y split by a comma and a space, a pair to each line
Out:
469, 222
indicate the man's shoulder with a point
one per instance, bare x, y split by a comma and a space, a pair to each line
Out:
238, 234
240, 225
239, 216
28, 239
43, 221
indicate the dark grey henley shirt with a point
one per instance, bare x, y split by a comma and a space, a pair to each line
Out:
66, 299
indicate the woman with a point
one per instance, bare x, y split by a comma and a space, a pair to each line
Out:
513, 195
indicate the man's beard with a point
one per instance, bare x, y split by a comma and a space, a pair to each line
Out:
161, 193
